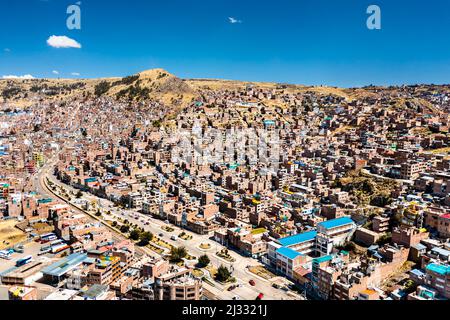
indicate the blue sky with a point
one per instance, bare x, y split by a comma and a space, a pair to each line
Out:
313, 42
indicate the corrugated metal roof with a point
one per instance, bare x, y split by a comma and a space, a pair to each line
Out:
64, 265
329, 224
298, 238
289, 253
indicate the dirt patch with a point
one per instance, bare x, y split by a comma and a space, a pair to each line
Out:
42, 228
10, 235
261, 272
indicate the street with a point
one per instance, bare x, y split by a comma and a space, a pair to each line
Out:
239, 267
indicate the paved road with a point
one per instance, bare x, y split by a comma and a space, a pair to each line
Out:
38, 184
239, 267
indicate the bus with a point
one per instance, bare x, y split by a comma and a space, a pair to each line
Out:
59, 248
56, 242
48, 238
47, 235
5, 254
24, 261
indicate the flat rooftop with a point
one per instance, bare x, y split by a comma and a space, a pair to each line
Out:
23, 271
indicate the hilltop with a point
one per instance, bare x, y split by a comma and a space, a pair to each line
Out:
160, 87
155, 84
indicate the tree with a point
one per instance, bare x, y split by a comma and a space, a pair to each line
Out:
203, 261
101, 88
124, 228
79, 194
348, 246
98, 213
145, 238
409, 286
385, 238
223, 274
135, 235
114, 224
177, 254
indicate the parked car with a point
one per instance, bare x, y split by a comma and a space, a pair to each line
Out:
230, 288
260, 296
160, 235
252, 282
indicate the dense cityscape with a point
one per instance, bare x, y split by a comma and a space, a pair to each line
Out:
152, 187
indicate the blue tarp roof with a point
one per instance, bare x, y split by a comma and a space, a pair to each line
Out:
298, 238
289, 253
335, 222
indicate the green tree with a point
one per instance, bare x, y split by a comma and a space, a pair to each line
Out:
223, 274
135, 235
114, 224
102, 88
203, 261
124, 228
79, 194
177, 254
386, 238
145, 238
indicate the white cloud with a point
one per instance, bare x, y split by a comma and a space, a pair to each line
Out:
7, 50
55, 72
62, 42
76, 74
234, 20
24, 77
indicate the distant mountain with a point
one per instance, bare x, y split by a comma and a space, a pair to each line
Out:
160, 86
156, 84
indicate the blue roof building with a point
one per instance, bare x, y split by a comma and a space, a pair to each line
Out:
438, 268
339, 222
61, 267
298, 238
288, 253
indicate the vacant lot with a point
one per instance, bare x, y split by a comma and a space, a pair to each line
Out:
42, 228
9, 234
262, 272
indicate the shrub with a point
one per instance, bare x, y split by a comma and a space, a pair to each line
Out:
203, 261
